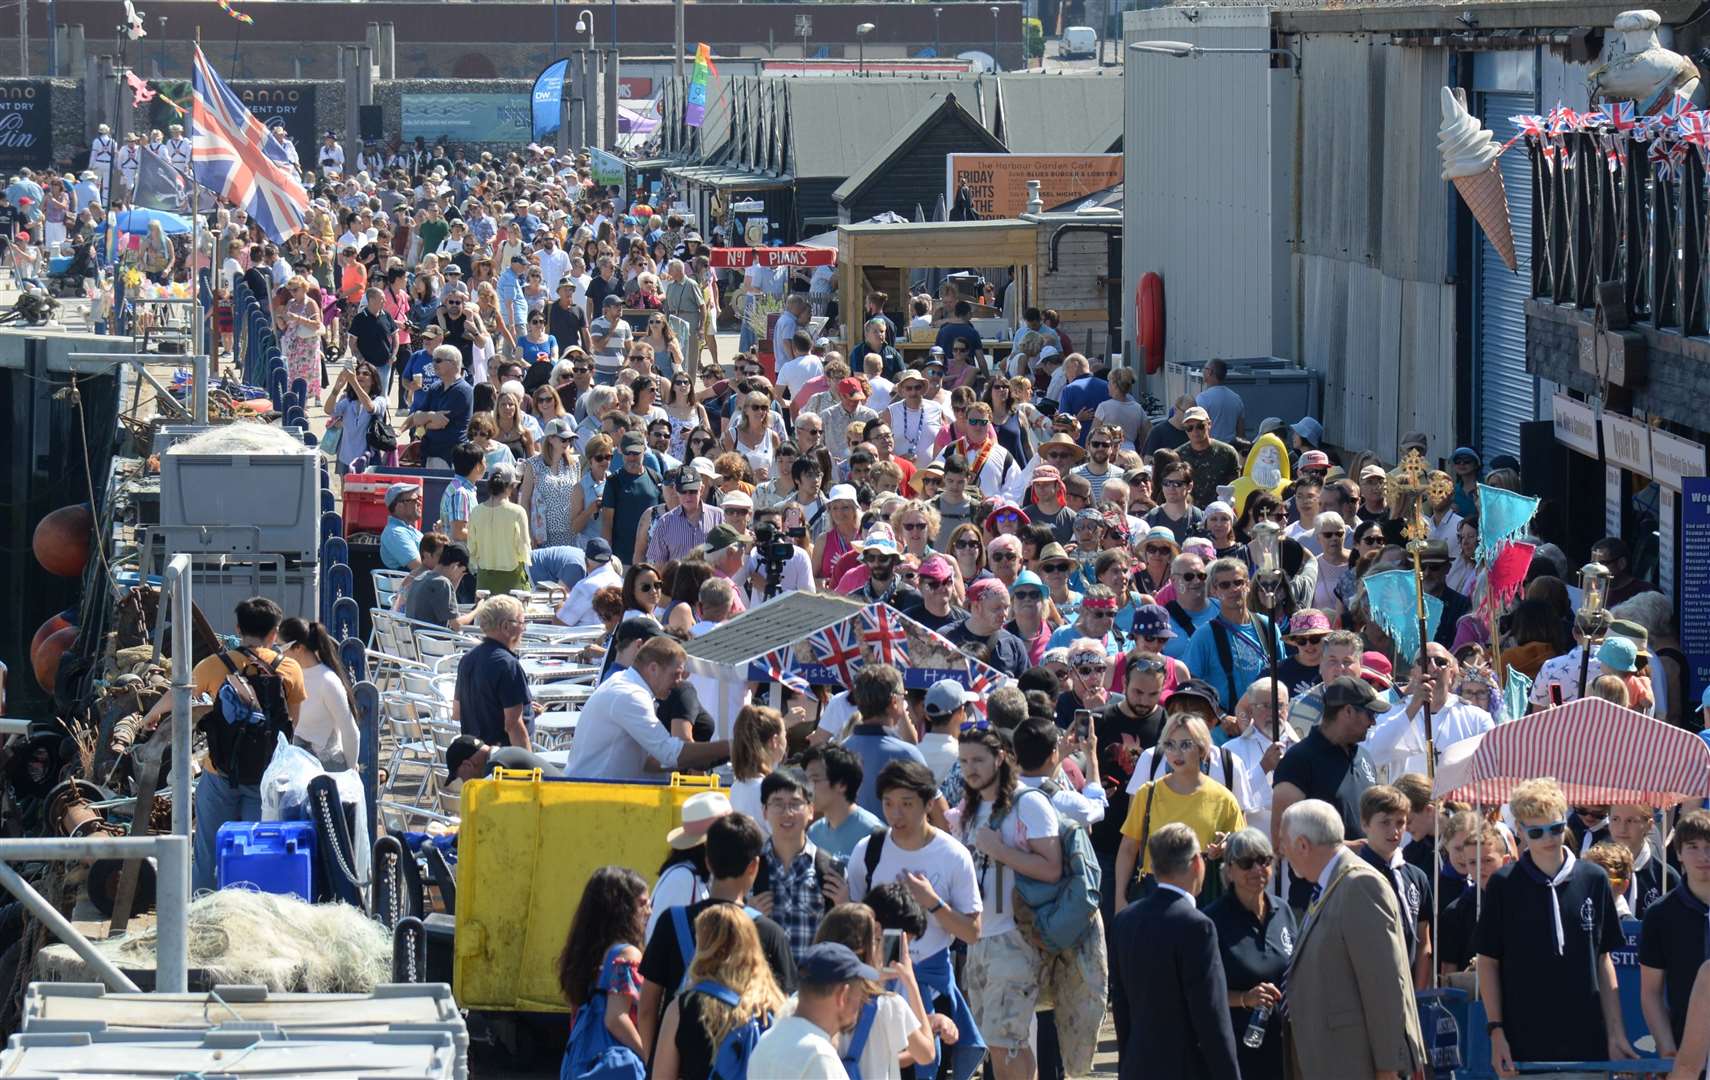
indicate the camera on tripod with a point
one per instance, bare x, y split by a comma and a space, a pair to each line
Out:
774, 552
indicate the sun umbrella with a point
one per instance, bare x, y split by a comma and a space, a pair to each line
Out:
136, 221
1598, 751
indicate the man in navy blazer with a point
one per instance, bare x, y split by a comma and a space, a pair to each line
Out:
1172, 1001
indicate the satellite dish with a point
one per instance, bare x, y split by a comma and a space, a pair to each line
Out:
982, 61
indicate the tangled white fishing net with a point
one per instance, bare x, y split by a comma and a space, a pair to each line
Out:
280, 942
241, 439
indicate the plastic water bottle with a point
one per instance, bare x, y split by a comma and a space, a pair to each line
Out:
1254, 1036
1446, 1041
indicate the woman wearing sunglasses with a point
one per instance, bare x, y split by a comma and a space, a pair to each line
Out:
968, 548
643, 591
686, 413
1333, 563
667, 352
1256, 936
1185, 794
1089, 681
916, 526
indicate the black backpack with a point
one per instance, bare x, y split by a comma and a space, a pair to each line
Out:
249, 715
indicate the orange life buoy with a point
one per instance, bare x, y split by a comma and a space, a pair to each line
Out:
1149, 320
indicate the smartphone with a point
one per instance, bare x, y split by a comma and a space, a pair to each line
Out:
892, 946
1083, 723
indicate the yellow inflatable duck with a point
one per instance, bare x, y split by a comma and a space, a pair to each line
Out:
1267, 470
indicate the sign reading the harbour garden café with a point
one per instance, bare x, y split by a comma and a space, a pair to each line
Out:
26, 127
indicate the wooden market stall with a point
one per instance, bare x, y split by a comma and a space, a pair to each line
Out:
885, 256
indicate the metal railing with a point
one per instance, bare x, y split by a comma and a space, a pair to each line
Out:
1605, 213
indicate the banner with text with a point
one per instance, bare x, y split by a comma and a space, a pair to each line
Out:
1694, 575
293, 106
26, 127
997, 183
548, 101
467, 118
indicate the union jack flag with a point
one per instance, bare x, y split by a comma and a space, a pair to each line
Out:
839, 647
1530, 124
1694, 127
239, 159
982, 680
778, 669
1621, 115
884, 631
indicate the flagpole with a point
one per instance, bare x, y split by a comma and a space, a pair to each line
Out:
199, 341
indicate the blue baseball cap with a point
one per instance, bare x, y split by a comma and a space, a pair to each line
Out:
830, 963
1027, 579
1151, 620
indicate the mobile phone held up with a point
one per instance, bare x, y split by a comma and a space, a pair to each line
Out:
892, 946
1083, 723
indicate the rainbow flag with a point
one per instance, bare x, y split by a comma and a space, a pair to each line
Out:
695, 105
225, 6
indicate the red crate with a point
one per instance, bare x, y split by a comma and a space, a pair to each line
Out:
365, 501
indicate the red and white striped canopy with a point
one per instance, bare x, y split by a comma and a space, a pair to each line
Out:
1598, 751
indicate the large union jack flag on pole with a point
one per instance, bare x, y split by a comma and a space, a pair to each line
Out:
239, 159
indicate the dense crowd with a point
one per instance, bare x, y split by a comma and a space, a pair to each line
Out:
1204, 746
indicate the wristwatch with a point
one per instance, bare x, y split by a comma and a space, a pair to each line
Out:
936, 908
1491, 1027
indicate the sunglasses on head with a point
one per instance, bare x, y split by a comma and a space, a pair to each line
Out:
981, 724
1554, 828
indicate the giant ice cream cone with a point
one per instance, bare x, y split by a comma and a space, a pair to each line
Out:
1488, 200
1470, 159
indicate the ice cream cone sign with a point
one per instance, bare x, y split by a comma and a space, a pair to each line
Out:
1470, 155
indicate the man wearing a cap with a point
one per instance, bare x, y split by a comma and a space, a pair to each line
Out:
102, 149
935, 610
619, 735
400, 540
834, 986
1373, 503
851, 407
945, 708
880, 555
1612, 552
610, 333
630, 492
468, 758
677, 532
726, 552
1214, 462
603, 572
1330, 764
1434, 565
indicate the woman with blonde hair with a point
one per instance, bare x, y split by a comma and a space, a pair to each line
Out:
490, 346
915, 524
517, 430
728, 964
302, 344
1122, 410
751, 435
757, 746
585, 501
1185, 794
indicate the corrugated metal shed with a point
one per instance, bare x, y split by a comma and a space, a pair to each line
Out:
836, 123
1060, 114
1200, 153
1341, 114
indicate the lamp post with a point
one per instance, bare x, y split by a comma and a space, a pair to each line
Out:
861, 33
995, 65
585, 25
937, 28
1592, 619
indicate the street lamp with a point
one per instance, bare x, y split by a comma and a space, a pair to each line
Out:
995, 65
861, 33
1187, 50
937, 26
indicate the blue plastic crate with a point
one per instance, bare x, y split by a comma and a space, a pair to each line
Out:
270, 856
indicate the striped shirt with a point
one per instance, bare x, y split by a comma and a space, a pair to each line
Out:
674, 534
456, 503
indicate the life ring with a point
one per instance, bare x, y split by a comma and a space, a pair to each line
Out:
1149, 320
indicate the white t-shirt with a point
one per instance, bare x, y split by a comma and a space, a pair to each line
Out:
943, 861
796, 1049
836, 714
1031, 818
325, 722
796, 373
745, 799
893, 1023
678, 886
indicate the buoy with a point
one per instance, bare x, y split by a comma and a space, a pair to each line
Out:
46, 659
1149, 321
43, 632
61, 540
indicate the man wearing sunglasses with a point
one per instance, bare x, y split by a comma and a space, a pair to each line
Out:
1214, 462
1251, 727
1328, 764
1191, 608
1101, 444
1232, 650
1544, 939
1047, 503
1397, 743
982, 635
935, 611
989, 464
879, 554
915, 421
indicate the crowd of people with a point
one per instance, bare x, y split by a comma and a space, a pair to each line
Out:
1204, 749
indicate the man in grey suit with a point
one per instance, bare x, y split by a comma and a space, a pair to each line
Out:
1348, 995
1172, 1000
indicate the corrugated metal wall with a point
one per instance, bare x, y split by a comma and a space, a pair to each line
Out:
1199, 157
1377, 312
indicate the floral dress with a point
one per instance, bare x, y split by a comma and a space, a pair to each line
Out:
302, 346
549, 514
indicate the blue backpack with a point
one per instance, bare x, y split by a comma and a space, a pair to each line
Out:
592, 1053
1062, 909
858, 1039
686, 937
731, 1061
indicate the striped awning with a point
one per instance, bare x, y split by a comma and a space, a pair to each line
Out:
1598, 751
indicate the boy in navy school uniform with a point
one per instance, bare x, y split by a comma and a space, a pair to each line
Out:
1383, 813
1672, 945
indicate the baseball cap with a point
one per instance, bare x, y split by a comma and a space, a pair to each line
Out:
1196, 413
597, 550
1151, 620
685, 479
737, 499
1315, 459
946, 696
636, 628
830, 963
937, 568
722, 536
1414, 440
633, 441
1348, 690
1372, 472
398, 491
461, 749
1201, 690
851, 388
560, 427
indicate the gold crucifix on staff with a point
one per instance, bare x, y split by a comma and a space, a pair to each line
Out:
1409, 490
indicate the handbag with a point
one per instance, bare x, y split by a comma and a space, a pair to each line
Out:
382, 438
330, 440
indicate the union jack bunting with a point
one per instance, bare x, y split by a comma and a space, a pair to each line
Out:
779, 671
982, 680
883, 630
839, 647
1563, 120
239, 159
1530, 124
1621, 115
1694, 127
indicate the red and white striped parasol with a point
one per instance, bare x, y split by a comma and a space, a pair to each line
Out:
1598, 751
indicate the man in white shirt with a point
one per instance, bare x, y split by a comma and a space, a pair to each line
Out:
945, 707
1228, 411
1397, 741
619, 736
915, 422
832, 991
578, 609
554, 263
1251, 726
873, 366
722, 699
784, 330
329, 157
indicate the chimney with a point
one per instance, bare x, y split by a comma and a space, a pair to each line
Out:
1035, 205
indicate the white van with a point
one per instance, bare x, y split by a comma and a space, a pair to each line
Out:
1078, 41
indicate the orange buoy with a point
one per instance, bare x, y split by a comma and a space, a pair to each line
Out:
43, 632
46, 659
1149, 321
61, 541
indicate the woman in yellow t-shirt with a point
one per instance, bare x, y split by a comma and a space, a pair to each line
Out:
499, 547
1185, 794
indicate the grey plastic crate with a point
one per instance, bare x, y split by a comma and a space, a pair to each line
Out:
1270, 385
245, 1051
279, 493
